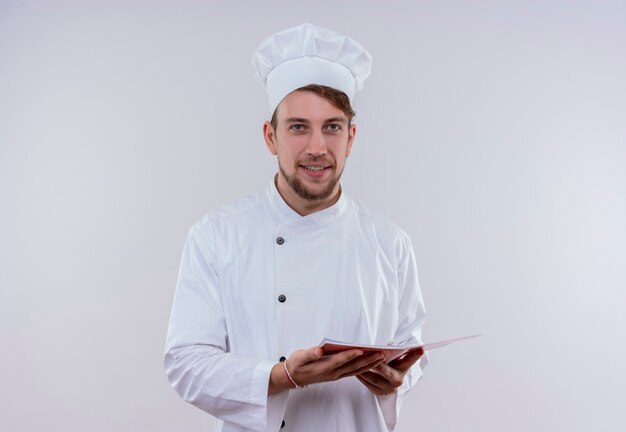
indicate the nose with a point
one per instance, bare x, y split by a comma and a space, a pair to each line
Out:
316, 145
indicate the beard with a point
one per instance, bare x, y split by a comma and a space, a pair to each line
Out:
303, 192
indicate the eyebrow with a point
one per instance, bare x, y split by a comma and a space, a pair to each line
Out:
330, 120
296, 120
337, 120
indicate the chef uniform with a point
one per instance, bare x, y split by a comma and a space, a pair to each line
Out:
258, 281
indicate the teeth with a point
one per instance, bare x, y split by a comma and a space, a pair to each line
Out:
314, 168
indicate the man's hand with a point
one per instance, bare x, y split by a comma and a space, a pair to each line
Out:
385, 379
310, 367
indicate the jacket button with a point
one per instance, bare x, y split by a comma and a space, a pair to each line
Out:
282, 359
282, 425
280, 240
282, 298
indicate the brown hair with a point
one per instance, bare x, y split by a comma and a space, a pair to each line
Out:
336, 97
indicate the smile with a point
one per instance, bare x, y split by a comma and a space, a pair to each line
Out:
314, 168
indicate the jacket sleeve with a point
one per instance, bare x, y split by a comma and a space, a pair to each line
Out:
198, 365
411, 316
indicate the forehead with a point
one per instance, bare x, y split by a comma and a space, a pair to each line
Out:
307, 105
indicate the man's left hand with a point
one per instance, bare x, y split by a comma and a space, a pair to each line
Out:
385, 379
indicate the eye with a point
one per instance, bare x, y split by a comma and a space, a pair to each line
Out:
297, 127
333, 127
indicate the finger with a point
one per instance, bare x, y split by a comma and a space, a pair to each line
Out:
387, 376
404, 363
385, 371
343, 358
371, 387
360, 364
373, 379
302, 357
314, 353
354, 370
388, 385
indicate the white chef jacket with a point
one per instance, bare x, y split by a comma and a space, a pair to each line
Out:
346, 274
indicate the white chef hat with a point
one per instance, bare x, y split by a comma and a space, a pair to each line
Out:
308, 54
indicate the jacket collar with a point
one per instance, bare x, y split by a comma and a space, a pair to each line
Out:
286, 215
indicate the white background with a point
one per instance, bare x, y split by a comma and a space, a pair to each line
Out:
493, 132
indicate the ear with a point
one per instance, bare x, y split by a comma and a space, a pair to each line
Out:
351, 135
270, 137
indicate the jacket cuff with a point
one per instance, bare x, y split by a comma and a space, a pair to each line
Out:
273, 406
390, 405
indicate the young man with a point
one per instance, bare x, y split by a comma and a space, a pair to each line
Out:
269, 276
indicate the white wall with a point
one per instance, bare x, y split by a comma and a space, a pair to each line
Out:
494, 132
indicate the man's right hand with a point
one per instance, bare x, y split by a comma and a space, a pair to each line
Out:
310, 366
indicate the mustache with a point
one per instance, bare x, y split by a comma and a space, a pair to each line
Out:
316, 160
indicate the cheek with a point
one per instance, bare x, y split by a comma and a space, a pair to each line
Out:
292, 147
288, 158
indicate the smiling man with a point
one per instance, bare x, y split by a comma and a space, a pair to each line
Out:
262, 281
312, 143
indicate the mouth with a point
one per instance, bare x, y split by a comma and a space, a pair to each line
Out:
315, 170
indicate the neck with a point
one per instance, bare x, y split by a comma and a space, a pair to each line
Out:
303, 206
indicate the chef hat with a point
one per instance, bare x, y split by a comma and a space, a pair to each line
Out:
308, 54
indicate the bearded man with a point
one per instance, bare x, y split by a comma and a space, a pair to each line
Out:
263, 280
